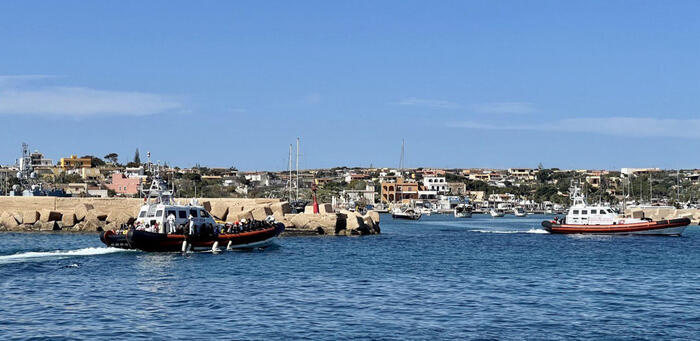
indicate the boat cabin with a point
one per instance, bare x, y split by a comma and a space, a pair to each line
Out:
581, 213
149, 215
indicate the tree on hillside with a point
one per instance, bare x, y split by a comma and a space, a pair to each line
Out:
94, 161
137, 157
112, 157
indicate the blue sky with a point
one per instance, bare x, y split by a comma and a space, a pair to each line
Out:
583, 84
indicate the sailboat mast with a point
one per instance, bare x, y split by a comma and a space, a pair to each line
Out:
650, 192
297, 183
289, 181
401, 160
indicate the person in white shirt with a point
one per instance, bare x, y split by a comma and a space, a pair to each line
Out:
171, 223
191, 219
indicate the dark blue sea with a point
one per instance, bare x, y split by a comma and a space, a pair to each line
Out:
437, 278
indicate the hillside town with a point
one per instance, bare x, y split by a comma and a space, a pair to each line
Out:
535, 189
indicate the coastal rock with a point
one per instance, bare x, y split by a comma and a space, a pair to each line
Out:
90, 226
220, 210
49, 215
280, 209
17, 216
238, 216
353, 220
68, 218
30, 217
49, 226
8, 221
119, 218
261, 212
82, 209
326, 222
95, 216
374, 215
207, 205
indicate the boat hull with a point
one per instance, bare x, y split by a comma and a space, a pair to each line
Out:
406, 216
672, 227
159, 242
463, 215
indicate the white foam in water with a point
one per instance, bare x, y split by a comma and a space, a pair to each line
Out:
535, 231
38, 256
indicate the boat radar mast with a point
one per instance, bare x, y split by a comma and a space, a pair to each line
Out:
158, 193
577, 196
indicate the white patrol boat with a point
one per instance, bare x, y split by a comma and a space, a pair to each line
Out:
600, 219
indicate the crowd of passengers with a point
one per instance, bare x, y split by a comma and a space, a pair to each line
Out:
204, 230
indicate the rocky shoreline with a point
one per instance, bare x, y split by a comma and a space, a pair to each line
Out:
90, 215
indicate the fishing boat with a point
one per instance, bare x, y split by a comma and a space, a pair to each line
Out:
599, 219
519, 212
407, 213
164, 225
497, 212
463, 211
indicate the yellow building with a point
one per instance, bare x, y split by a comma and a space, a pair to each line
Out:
74, 162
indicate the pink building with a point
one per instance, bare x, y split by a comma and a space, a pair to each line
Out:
123, 185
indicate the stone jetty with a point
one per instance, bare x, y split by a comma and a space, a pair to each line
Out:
97, 214
662, 213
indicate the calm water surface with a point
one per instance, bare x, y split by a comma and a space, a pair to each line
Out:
438, 278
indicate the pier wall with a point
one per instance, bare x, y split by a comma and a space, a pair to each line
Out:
97, 214
664, 213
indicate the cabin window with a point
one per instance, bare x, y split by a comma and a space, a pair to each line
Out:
575, 211
602, 211
171, 212
203, 214
584, 211
182, 214
159, 213
193, 213
594, 211
142, 214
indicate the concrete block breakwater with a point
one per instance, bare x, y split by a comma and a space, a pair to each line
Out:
97, 214
664, 213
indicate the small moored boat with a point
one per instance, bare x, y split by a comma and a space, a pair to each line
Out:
519, 212
463, 211
497, 212
408, 213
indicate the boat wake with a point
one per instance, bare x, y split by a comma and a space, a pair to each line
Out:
58, 254
530, 231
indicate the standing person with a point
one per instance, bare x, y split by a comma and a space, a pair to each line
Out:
190, 221
171, 223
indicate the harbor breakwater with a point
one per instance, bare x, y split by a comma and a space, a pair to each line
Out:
97, 214
663, 213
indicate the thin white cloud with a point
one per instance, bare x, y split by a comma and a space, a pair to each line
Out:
614, 126
429, 103
81, 101
12, 80
504, 108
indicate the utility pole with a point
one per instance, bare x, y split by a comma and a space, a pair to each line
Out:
297, 184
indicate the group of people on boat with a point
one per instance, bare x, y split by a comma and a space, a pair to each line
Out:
190, 228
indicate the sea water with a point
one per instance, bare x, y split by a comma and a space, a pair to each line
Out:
436, 278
